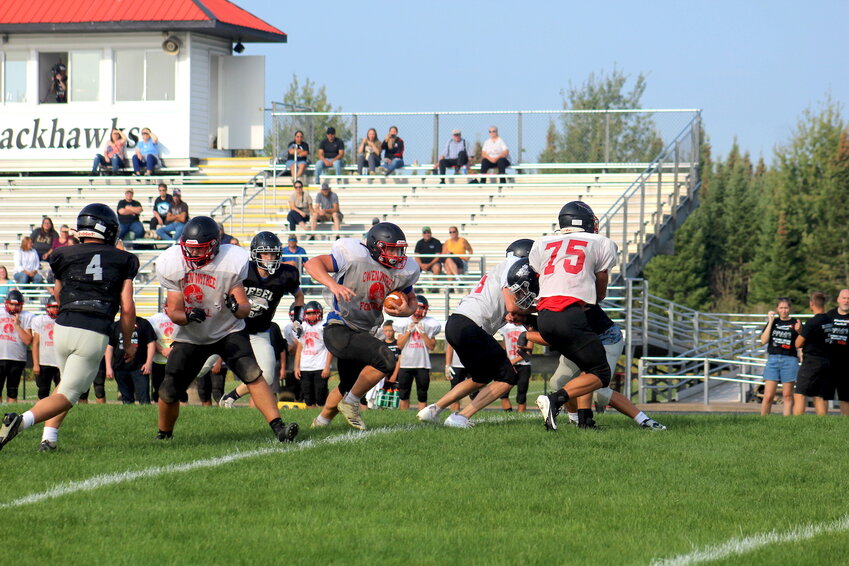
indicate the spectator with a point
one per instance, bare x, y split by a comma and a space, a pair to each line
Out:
114, 152
15, 335
782, 362
455, 154
368, 153
147, 153
163, 328
456, 247
838, 348
300, 204
133, 377
64, 239
26, 263
128, 216
426, 250
5, 284
814, 379
42, 238
294, 254
494, 154
312, 360
326, 208
393, 152
161, 205
224, 238
175, 218
58, 83
297, 156
45, 367
520, 359
416, 339
331, 150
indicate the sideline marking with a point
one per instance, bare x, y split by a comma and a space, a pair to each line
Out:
753, 542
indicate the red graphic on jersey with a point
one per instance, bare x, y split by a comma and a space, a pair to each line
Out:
376, 294
8, 328
193, 296
50, 335
169, 330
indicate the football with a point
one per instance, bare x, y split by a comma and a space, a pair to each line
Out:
394, 301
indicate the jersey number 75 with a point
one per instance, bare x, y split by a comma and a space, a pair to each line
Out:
573, 262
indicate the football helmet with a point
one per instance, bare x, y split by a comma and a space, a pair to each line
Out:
523, 283
266, 243
520, 248
313, 313
199, 241
98, 221
422, 306
14, 302
578, 215
52, 307
296, 313
383, 237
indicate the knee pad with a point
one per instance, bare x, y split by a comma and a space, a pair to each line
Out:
602, 396
246, 369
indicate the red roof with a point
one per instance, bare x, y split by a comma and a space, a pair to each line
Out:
216, 17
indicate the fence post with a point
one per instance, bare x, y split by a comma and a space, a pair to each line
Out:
707, 381
629, 336
670, 329
354, 127
606, 139
659, 208
244, 192
435, 136
520, 158
675, 176
645, 292
642, 239
640, 369
624, 262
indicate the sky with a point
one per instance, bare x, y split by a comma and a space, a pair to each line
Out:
752, 67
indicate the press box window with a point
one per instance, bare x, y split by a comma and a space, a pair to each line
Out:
145, 75
14, 77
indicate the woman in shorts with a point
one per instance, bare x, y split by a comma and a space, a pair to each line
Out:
782, 363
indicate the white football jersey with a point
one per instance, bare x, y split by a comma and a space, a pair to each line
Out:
314, 352
455, 360
415, 354
369, 280
43, 326
289, 334
164, 327
485, 305
11, 345
511, 332
567, 264
205, 288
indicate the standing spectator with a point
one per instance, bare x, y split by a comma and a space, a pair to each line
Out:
326, 208
427, 250
416, 339
521, 361
300, 204
132, 377
297, 156
129, 210
15, 336
455, 154
494, 154
458, 248
293, 254
161, 204
163, 328
782, 362
45, 367
26, 263
814, 379
838, 349
64, 239
5, 284
147, 153
312, 360
331, 150
114, 152
175, 219
393, 152
368, 153
43, 237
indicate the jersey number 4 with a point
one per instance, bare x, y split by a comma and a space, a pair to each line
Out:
93, 268
573, 262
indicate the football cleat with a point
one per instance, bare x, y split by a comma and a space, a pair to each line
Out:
549, 413
164, 435
317, 424
285, 432
47, 446
429, 414
12, 423
351, 412
653, 424
456, 420
227, 402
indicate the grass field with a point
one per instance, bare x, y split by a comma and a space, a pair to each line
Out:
504, 492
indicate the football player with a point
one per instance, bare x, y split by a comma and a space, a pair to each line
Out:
573, 271
15, 336
267, 281
364, 273
312, 360
416, 339
505, 294
207, 302
45, 368
94, 281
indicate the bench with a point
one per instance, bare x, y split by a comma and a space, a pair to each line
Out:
26, 167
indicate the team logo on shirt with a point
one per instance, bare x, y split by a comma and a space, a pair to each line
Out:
50, 335
193, 295
8, 328
376, 294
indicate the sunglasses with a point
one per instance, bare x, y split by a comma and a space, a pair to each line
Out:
452, 231
493, 131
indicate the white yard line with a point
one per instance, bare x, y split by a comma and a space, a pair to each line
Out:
754, 542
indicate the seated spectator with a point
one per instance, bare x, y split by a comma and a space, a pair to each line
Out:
225, 238
297, 156
5, 284
368, 153
293, 254
128, 216
147, 153
326, 208
456, 154
494, 154
393, 152
331, 150
161, 204
457, 247
175, 218
426, 250
64, 239
27, 263
42, 238
300, 204
114, 152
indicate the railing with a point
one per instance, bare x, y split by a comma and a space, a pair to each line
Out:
676, 374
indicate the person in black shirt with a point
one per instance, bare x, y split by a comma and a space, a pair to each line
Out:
426, 252
161, 205
392, 149
132, 377
782, 362
93, 280
128, 216
267, 281
814, 378
331, 150
296, 157
838, 349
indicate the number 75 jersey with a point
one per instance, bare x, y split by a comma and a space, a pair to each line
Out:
567, 264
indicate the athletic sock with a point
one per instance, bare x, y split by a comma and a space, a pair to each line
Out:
322, 420
585, 417
29, 420
233, 395
641, 416
559, 398
50, 433
274, 422
352, 399
573, 417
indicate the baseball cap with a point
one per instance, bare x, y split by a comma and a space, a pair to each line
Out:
325, 185
455, 131
293, 238
331, 130
176, 192
425, 229
375, 220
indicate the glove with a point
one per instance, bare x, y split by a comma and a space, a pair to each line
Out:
522, 340
298, 314
232, 303
297, 329
196, 315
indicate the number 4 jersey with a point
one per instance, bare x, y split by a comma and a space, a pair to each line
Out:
567, 264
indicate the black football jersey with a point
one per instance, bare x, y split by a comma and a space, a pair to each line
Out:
265, 294
92, 276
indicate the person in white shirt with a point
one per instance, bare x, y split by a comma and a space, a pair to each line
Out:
15, 336
312, 360
416, 339
521, 361
495, 154
27, 264
45, 367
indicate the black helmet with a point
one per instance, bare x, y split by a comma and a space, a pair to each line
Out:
292, 308
523, 282
265, 243
422, 306
520, 248
313, 312
98, 221
51, 307
577, 214
382, 237
200, 234
14, 302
